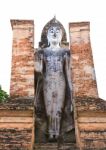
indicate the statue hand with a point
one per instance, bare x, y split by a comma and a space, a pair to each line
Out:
38, 65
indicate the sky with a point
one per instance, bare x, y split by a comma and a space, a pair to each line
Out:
41, 11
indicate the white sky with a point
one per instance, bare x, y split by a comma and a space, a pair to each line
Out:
41, 11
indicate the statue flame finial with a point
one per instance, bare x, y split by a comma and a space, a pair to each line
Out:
55, 17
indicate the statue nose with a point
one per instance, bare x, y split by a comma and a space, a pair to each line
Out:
54, 34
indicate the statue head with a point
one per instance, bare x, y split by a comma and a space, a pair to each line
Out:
53, 23
54, 35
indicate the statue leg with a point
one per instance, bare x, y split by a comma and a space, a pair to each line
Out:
54, 95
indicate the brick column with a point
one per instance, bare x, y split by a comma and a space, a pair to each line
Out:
22, 71
82, 67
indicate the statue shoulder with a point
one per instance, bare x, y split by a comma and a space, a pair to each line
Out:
67, 50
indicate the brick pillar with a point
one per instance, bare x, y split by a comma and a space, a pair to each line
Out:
22, 71
82, 67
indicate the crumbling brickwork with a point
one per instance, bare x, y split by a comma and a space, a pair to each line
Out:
17, 124
91, 120
89, 109
82, 67
22, 72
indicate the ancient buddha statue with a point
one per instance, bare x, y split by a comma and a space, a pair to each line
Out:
53, 62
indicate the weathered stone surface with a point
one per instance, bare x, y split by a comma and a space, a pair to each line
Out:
55, 85
22, 73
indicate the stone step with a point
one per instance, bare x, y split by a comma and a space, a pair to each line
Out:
55, 146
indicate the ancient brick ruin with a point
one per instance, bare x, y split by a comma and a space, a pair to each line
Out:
83, 71
90, 110
17, 124
17, 117
22, 71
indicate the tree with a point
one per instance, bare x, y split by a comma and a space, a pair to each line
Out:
3, 95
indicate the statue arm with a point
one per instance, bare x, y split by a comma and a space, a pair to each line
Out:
38, 67
68, 76
68, 69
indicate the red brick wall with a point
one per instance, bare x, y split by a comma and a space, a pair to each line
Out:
82, 67
17, 124
22, 72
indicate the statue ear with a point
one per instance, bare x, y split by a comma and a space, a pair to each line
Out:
60, 39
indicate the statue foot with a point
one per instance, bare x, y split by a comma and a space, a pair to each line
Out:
53, 137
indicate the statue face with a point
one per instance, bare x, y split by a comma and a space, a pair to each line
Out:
54, 35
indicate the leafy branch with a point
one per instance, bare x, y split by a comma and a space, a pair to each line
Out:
3, 95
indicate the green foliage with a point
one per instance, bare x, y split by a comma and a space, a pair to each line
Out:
3, 95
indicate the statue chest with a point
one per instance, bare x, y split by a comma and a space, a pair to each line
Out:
54, 62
